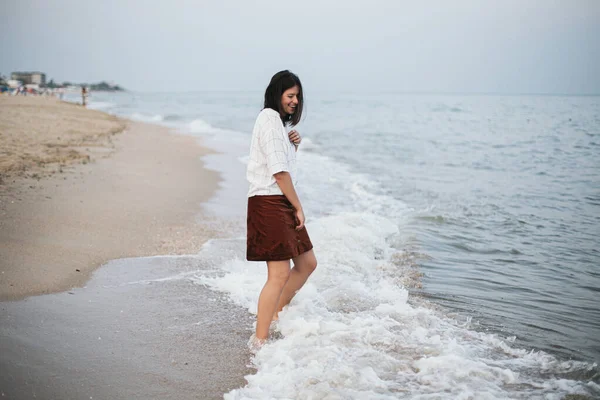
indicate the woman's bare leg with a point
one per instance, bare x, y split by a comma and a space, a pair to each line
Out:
304, 265
279, 273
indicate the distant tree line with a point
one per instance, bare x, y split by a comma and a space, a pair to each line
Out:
101, 86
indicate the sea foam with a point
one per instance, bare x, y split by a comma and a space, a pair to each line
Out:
351, 332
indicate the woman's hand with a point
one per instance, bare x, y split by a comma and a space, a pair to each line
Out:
295, 137
300, 219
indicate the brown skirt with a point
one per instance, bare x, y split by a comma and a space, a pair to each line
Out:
272, 234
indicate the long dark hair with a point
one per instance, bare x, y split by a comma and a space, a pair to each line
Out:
280, 82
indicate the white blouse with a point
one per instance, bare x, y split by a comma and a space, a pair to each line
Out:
270, 152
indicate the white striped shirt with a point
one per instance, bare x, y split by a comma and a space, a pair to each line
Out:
270, 152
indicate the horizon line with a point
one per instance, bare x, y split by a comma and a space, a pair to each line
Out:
412, 92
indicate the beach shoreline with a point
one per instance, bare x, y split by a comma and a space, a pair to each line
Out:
129, 189
137, 327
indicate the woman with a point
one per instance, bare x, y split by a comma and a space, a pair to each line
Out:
276, 232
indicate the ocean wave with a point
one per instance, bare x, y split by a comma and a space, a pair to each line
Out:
308, 144
101, 105
352, 333
146, 118
173, 117
447, 108
201, 126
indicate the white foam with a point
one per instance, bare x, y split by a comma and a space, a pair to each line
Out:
146, 118
201, 126
328, 187
101, 105
351, 333
223, 140
308, 144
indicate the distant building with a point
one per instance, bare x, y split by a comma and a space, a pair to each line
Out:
36, 78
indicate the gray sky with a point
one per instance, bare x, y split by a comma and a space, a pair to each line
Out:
503, 46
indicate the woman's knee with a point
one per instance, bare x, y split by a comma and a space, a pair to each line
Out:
309, 264
313, 264
279, 276
280, 279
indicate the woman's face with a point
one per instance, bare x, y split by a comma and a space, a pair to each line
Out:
289, 100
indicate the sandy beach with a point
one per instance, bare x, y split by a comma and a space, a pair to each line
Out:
80, 188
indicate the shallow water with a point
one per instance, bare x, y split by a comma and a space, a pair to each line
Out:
457, 239
505, 196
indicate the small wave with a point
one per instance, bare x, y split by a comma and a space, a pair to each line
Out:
351, 332
308, 144
173, 117
437, 219
446, 108
201, 126
483, 250
219, 139
593, 200
146, 118
101, 105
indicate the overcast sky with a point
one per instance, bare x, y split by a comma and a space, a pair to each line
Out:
503, 46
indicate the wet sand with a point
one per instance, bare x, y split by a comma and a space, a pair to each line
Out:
71, 330
138, 330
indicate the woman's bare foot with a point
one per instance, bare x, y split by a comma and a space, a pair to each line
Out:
274, 325
255, 344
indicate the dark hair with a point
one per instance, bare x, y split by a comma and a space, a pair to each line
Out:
280, 82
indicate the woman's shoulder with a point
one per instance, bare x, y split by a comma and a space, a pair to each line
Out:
268, 119
268, 114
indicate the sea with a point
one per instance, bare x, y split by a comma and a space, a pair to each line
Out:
457, 239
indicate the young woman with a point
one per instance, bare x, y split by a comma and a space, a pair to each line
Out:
276, 231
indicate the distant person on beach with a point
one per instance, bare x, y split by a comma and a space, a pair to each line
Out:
276, 232
84, 95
